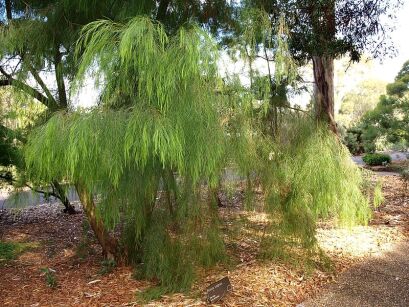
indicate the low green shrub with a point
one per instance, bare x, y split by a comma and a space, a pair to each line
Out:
10, 250
7, 251
376, 159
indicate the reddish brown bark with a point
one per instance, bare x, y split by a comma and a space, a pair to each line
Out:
108, 243
323, 67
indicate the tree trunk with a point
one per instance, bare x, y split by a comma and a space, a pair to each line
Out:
108, 243
8, 10
323, 67
62, 94
59, 191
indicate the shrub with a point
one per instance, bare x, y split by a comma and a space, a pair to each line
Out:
10, 250
376, 159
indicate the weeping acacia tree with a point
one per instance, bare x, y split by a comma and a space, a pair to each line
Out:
158, 117
152, 154
37, 42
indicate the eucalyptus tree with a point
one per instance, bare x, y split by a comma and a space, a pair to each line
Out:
320, 31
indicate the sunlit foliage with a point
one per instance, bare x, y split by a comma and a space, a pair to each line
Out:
155, 150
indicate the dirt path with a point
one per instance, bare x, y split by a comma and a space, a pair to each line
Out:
383, 278
382, 281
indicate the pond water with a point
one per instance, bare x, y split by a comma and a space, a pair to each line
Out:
27, 198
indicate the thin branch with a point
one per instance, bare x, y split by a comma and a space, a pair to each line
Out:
10, 81
264, 58
295, 109
41, 84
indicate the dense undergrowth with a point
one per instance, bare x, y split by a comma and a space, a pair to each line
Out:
156, 150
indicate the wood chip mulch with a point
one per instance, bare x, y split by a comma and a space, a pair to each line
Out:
255, 282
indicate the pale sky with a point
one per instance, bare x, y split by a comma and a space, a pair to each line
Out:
389, 68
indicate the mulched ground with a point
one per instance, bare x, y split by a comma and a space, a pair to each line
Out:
80, 281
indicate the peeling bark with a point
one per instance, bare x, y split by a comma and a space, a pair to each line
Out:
323, 67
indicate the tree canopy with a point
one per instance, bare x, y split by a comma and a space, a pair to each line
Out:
387, 123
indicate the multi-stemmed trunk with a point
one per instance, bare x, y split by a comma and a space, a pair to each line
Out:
107, 241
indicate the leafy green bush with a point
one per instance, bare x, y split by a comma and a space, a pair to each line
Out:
376, 159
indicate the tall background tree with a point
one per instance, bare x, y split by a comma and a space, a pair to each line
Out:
386, 126
321, 31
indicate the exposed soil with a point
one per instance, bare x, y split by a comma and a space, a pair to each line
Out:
71, 251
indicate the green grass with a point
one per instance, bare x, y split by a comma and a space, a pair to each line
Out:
10, 250
50, 278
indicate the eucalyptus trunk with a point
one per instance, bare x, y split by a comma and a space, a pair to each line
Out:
323, 67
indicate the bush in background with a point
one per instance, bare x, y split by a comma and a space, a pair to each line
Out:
374, 159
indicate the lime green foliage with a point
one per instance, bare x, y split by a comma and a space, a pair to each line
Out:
378, 197
167, 122
159, 120
314, 177
374, 159
10, 250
